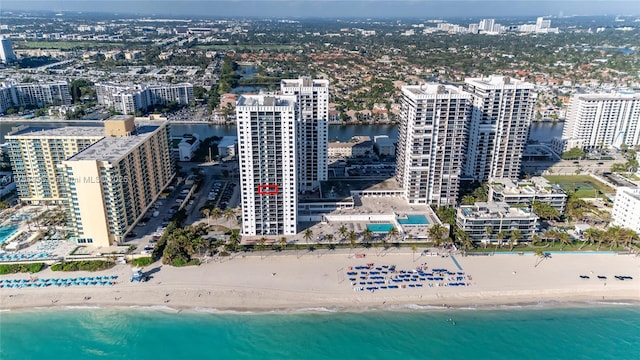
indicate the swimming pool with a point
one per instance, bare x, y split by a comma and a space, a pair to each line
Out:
380, 228
6, 232
414, 220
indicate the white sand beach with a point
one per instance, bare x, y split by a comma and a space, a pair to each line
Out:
287, 281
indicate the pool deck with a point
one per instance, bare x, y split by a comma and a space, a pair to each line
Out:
365, 212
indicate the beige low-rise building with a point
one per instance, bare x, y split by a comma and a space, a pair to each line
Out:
358, 146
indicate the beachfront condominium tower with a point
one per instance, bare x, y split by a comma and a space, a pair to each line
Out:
35, 153
267, 152
312, 132
434, 122
502, 113
603, 120
112, 183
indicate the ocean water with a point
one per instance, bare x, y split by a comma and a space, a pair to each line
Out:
595, 332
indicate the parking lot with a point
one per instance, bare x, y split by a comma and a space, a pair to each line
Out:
150, 228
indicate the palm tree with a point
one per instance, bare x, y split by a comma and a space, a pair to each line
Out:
590, 235
541, 256
413, 250
367, 235
436, 233
261, 242
487, 232
206, 212
229, 214
614, 233
467, 243
343, 232
393, 233
463, 239
352, 239
329, 238
283, 242
552, 234
216, 213
535, 239
628, 237
565, 239
516, 235
468, 200
501, 235
234, 240
308, 234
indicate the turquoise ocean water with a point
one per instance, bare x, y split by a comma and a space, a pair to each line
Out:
526, 333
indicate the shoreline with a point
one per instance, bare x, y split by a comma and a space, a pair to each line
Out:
409, 307
319, 283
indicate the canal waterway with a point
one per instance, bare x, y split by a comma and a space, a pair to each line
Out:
540, 131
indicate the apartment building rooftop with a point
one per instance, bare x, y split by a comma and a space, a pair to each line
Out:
113, 148
68, 131
497, 81
432, 90
304, 82
614, 95
266, 100
535, 185
493, 210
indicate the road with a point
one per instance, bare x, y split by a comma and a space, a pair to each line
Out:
568, 167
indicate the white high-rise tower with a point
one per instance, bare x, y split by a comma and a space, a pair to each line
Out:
312, 133
6, 51
502, 113
434, 122
267, 130
604, 120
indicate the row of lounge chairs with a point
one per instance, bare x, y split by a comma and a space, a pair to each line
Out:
42, 282
25, 256
388, 277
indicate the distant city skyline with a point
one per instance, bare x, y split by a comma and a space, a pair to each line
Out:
335, 8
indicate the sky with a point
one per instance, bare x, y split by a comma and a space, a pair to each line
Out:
335, 8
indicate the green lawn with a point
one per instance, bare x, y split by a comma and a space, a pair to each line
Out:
582, 185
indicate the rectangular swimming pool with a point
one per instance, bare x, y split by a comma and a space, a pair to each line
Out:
380, 228
414, 220
6, 232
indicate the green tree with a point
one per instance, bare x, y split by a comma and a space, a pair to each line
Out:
392, 234
468, 200
216, 213
488, 230
308, 234
516, 235
206, 212
436, 233
573, 154
590, 236
343, 232
565, 239
283, 243
544, 210
501, 235
367, 235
